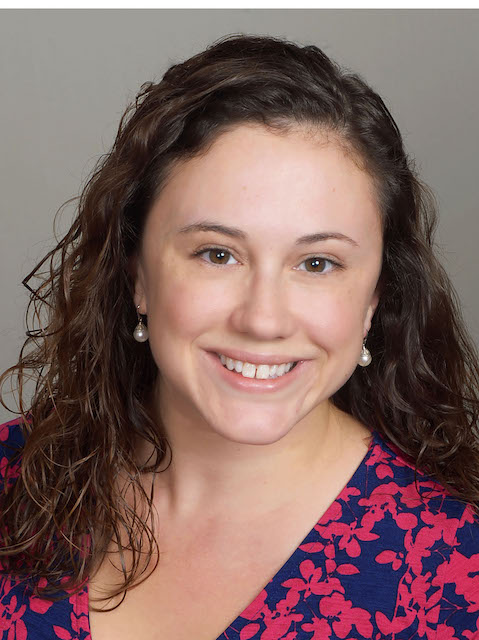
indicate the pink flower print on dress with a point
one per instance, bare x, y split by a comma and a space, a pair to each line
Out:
388, 556
342, 616
444, 632
279, 621
4, 433
347, 536
312, 581
319, 627
11, 620
463, 573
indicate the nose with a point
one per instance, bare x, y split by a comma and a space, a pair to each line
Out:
263, 310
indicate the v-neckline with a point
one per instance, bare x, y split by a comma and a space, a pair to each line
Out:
355, 480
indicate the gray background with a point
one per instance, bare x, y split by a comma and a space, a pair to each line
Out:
67, 75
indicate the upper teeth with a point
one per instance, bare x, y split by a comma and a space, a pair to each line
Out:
262, 371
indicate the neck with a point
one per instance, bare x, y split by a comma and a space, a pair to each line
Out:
211, 476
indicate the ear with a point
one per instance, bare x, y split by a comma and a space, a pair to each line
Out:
137, 276
370, 312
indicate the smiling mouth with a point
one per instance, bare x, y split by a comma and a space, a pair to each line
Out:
259, 372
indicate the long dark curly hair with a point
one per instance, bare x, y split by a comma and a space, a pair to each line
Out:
93, 381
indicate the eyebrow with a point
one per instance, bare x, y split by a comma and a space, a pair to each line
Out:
234, 232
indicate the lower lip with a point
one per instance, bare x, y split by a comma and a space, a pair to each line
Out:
257, 385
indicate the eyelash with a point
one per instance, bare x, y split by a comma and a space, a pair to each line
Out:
334, 263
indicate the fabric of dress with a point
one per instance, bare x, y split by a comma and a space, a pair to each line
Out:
390, 558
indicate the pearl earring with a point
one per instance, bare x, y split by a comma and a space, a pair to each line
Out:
141, 332
365, 358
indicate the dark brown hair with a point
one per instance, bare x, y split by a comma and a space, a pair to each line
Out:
93, 380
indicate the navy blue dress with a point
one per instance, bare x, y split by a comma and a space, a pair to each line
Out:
390, 558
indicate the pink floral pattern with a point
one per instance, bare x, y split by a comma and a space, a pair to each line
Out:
391, 558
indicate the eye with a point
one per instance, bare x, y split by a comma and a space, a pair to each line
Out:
216, 255
220, 257
320, 265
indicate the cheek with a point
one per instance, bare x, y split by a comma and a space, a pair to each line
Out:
180, 311
182, 306
334, 319
334, 324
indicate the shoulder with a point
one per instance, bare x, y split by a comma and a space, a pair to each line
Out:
401, 546
12, 439
433, 534
395, 483
22, 613
12, 433
25, 615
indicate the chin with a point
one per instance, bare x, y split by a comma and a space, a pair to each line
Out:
255, 431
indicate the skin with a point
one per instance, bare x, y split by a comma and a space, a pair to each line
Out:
263, 449
249, 471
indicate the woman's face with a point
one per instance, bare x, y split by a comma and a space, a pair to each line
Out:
260, 290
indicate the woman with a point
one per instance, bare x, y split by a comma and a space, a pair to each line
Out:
203, 457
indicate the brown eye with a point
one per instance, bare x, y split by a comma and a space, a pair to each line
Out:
214, 255
218, 256
318, 264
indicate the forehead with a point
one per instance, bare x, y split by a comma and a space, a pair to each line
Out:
271, 184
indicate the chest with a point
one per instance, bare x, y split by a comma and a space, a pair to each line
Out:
207, 575
191, 600
199, 588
